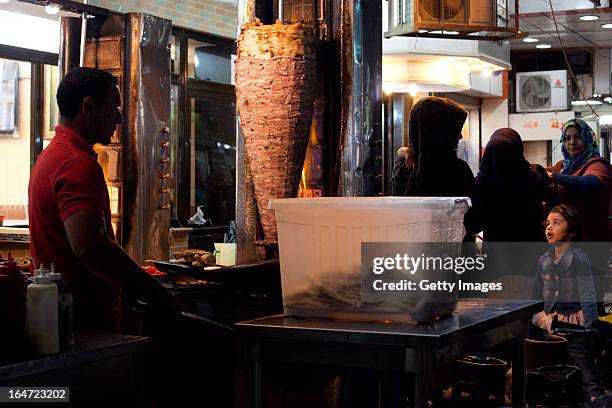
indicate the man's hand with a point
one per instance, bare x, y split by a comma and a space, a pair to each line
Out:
93, 246
162, 301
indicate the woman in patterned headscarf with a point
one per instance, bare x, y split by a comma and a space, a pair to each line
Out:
584, 179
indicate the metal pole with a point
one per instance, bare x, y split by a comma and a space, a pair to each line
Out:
83, 35
280, 11
70, 48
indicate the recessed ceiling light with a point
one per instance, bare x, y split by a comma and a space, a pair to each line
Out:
52, 9
530, 40
543, 46
589, 18
607, 25
444, 32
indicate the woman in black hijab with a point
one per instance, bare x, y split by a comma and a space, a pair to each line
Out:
511, 194
434, 131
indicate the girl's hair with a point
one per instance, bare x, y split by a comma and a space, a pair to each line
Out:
573, 219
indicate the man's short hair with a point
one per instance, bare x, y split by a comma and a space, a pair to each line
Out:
78, 84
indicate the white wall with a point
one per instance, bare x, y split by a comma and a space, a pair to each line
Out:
15, 149
472, 141
540, 125
535, 152
494, 115
25, 31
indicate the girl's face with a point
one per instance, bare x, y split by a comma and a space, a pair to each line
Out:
573, 141
556, 229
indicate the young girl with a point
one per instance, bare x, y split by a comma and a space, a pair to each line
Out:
565, 282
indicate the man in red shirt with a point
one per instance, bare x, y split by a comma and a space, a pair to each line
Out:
69, 210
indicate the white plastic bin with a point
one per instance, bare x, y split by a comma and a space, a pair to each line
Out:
320, 247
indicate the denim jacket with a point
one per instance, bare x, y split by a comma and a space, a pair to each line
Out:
566, 287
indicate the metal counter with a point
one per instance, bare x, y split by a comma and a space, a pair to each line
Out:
102, 370
412, 349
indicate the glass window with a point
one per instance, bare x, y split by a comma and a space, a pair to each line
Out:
213, 159
175, 54
15, 86
209, 62
51, 117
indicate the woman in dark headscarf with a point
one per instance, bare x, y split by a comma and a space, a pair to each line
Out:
434, 131
510, 192
585, 179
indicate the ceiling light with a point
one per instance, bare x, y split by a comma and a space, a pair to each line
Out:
542, 46
589, 18
423, 31
486, 72
413, 89
52, 9
445, 32
607, 25
530, 40
589, 102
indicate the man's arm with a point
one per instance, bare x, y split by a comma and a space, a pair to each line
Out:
92, 245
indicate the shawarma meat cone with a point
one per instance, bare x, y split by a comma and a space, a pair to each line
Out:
275, 91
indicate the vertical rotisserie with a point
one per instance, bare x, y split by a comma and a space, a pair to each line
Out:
275, 90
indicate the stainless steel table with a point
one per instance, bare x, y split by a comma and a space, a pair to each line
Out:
102, 370
413, 349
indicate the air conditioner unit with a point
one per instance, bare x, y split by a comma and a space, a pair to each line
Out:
453, 12
541, 91
481, 19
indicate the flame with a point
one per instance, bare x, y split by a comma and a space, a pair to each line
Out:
302, 190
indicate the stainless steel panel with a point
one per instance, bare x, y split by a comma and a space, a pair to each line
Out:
147, 117
361, 89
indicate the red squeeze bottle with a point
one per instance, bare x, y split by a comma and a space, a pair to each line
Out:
12, 311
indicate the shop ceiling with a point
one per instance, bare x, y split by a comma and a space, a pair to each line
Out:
575, 33
35, 9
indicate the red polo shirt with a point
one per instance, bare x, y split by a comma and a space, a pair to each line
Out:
65, 180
